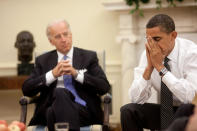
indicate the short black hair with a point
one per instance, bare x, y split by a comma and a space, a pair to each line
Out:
163, 21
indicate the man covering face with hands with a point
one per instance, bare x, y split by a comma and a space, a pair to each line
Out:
168, 65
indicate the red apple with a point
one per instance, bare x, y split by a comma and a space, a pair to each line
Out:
19, 124
3, 122
3, 125
13, 127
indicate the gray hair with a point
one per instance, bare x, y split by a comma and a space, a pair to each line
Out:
164, 22
55, 22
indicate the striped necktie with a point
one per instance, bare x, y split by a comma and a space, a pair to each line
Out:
166, 102
69, 86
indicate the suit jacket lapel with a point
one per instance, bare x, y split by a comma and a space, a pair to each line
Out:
52, 62
76, 58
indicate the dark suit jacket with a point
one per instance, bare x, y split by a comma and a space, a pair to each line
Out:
95, 84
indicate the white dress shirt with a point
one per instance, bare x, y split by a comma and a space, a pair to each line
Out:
182, 80
60, 84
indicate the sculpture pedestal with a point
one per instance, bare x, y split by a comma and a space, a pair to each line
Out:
25, 68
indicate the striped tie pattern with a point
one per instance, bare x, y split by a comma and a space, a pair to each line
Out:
166, 102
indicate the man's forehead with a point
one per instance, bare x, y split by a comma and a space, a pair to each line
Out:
155, 31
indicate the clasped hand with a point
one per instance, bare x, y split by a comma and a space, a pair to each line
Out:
64, 68
154, 55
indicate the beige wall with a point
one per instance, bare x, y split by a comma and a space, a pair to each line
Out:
93, 27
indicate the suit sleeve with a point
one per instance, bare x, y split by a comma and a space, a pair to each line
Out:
36, 81
95, 78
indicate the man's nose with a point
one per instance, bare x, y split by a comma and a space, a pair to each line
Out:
63, 38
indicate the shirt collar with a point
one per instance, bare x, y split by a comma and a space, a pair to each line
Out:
69, 54
174, 53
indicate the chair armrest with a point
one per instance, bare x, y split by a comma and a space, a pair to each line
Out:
107, 101
24, 101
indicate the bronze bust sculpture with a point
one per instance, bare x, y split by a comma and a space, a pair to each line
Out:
25, 45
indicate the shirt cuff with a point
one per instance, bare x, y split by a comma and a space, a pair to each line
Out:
49, 78
169, 79
80, 76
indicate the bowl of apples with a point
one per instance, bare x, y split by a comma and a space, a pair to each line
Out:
14, 126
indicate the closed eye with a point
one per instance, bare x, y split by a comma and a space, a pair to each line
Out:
157, 39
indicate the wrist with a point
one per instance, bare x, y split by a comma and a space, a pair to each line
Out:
159, 67
54, 74
147, 73
149, 68
75, 74
163, 71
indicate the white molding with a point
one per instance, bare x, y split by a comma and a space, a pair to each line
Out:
113, 6
7, 69
113, 67
8, 65
121, 6
113, 63
116, 101
125, 26
113, 72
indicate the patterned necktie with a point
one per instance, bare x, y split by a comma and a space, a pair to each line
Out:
166, 102
68, 85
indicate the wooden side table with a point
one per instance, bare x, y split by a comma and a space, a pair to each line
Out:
11, 82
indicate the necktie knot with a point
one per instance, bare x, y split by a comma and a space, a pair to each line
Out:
65, 57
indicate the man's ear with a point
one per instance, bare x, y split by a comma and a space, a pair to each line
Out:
174, 35
50, 41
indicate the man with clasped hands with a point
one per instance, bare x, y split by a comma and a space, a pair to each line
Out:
69, 80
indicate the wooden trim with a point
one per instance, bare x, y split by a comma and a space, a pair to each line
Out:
11, 82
